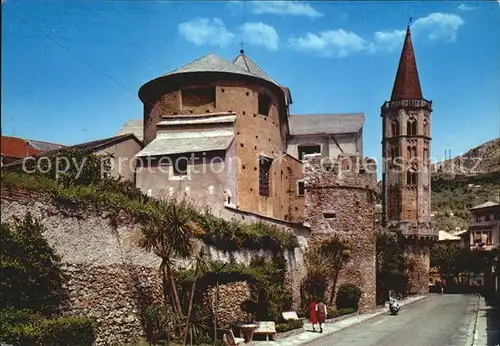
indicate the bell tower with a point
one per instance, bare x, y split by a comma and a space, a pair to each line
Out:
406, 180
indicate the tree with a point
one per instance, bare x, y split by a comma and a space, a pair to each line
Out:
201, 263
335, 253
391, 266
168, 233
31, 277
449, 260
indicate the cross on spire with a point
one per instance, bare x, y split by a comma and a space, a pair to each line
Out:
241, 47
409, 22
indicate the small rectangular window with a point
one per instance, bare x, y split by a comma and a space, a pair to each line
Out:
329, 215
264, 170
300, 188
264, 104
307, 150
180, 166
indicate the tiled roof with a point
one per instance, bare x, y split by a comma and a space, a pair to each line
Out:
302, 124
134, 126
485, 205
407, 83
443, 235
248, 64
211, 63
91, 146
166, 145
20, 148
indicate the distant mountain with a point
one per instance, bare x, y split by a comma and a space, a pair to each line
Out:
483, 159
464, 182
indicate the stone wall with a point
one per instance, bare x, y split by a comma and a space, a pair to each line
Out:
418, 261
231, 296
340, 200
110, 278
115, 296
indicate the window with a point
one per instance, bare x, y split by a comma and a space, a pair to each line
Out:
497, 215
394, 151
308, 149
478, 218
411, 127
264, 104
195, 97
264, 169
487, 217
426, 128
393, 205
329, 215
411, 178
180, 166
395, 128
426, 155
300, 188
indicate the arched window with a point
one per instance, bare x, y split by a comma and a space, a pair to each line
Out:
411, 127
393, 205
426, 128
394, 151
411, 177
426, 155
395, 128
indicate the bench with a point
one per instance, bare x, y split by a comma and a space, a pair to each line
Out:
229, 338
290, 315
267, 328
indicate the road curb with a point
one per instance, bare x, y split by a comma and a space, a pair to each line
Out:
310, 342
475, 333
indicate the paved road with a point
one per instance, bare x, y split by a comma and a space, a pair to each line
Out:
439, 320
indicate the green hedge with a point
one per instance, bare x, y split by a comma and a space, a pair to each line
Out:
24, 327
289, 325
348, 297
222, 234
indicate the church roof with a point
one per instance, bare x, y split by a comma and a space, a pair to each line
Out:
305, 124
211, 63
244, 61
407, 83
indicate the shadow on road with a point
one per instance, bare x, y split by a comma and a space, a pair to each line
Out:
492, 311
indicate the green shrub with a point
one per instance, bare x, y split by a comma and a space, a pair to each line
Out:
25, 327
341, 312
289, 325
348, 296
31, 275
68, 331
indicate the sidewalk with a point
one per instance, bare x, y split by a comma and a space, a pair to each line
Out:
487, 330
307, 335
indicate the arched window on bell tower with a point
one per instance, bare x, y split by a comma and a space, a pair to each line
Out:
411, 177
426, 128
411, 127
395, 128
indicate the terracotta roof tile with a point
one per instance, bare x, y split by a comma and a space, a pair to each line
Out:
407, 83
20, 148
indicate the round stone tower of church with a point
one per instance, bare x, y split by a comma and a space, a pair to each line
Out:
231, 111
406, 178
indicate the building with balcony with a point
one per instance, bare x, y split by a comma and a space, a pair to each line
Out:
484, 231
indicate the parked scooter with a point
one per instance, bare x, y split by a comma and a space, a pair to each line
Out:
393, 303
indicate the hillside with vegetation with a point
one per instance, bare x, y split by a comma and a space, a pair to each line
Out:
464, 182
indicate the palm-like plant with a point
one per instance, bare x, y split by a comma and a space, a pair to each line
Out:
168, 233
334, 253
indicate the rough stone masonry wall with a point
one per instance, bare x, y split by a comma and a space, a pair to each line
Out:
109, 277
347, 191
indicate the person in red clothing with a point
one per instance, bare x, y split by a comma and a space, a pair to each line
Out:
312, 314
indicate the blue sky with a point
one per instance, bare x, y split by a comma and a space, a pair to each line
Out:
71, 70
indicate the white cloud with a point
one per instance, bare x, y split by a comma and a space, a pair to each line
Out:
294, 8
464, 7
260, 34
387, 40
338, 43
202, 31
438, 26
